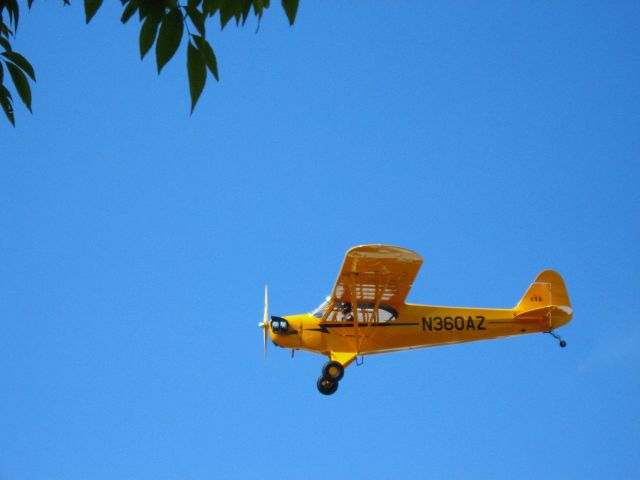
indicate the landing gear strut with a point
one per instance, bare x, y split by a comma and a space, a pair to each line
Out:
332, 373
557, 337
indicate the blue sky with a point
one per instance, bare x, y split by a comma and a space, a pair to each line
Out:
495, 139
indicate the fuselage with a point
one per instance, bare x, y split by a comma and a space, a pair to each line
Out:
367, 313
412, 326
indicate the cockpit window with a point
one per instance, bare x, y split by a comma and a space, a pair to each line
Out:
343, 312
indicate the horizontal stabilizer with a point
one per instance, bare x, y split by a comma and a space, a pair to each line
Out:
551, 311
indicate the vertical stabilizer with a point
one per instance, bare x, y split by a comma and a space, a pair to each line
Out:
547, 289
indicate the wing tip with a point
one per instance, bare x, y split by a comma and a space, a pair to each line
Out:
385, 250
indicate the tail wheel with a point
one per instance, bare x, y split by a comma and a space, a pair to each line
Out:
333, 371
326, 387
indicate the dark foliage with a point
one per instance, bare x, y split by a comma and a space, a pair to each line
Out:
163, 23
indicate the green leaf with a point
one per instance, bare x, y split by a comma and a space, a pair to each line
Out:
129, 11
90, 8
154, 8
22, 62
290, 8
14, 12
227, 11
169, 37
246, 8
210, 7
258, 7
210, 58
148, 34
197, 18
21, 83
197, 73
6, 31
1, 74
5, 44
7, 104
194, 3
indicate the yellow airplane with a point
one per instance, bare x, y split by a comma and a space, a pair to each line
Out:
367, 314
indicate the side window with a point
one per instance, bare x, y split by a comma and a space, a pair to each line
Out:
385, 315
344, 313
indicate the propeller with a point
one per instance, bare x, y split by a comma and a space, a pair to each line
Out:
265, 322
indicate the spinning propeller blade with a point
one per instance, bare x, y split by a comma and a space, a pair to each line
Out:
265, 322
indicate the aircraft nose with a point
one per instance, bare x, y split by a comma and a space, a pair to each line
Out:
279, 325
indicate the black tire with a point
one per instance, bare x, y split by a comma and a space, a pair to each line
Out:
563, 344
333, 371
326, 387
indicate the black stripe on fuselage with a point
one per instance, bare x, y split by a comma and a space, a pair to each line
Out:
325, 326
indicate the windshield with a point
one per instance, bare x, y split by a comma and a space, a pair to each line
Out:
319, 311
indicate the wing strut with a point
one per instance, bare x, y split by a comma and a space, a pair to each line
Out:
368, 318
381, 286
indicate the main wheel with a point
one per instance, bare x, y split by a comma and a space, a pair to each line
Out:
326, 387
333, 371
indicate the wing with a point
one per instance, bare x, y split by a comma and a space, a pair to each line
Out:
377, 274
